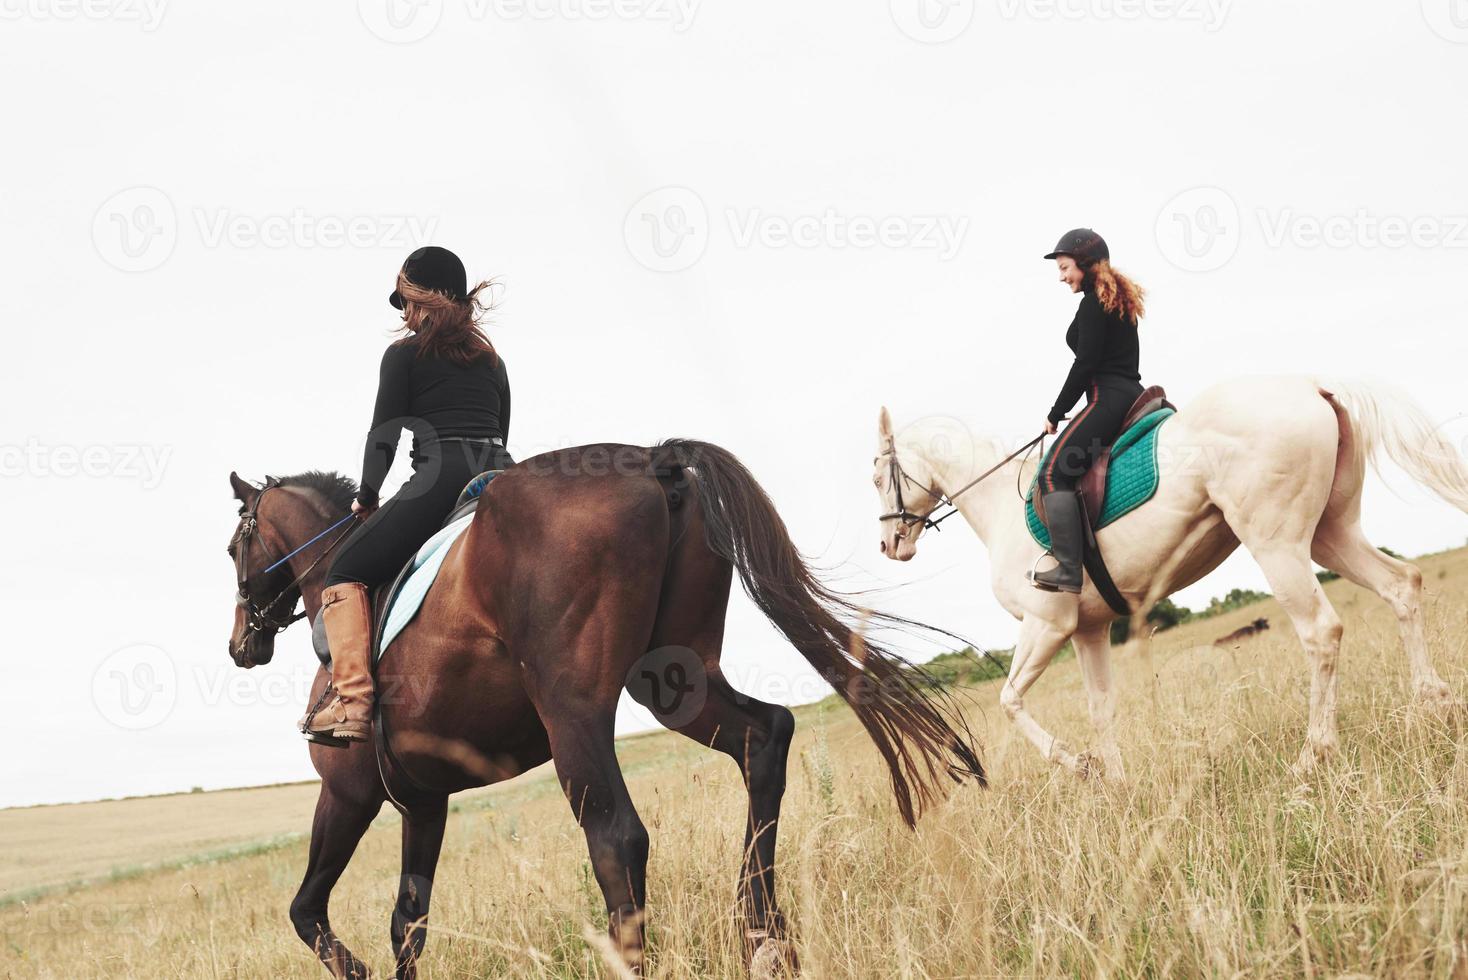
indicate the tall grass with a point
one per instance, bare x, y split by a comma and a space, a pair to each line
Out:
1216, 859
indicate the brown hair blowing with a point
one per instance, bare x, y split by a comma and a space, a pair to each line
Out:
444, 326
1117, 293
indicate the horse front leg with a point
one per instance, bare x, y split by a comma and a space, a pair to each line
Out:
423, 827
341, 820
1039, 640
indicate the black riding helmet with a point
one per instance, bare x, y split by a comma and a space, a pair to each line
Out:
435, 268
1083, 245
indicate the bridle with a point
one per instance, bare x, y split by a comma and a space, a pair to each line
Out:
264, 618
899, 476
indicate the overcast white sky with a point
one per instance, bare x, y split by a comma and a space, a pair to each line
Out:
752, 223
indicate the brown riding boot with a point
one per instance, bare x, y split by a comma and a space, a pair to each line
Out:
348, 614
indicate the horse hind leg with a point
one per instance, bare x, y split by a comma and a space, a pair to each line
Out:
756, 735
680, 683
616, 839
1342, 547
577, 702
1093, 650
1319, 628
423, 827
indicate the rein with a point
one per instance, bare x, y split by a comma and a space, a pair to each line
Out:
900, 476
260, 618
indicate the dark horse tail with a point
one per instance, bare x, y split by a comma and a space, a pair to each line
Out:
903, 709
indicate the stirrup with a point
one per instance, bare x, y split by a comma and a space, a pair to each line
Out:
1034, 570
321, 738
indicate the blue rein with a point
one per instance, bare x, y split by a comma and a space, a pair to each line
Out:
309, 543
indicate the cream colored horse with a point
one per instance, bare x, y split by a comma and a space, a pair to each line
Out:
1276, 463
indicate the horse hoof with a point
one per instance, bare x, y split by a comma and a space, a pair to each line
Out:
1090, 767
774, 960
1311, 757
1434, 696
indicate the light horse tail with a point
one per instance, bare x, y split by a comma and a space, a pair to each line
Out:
916, 727
1383, 417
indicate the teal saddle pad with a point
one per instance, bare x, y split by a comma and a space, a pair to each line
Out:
1131, 479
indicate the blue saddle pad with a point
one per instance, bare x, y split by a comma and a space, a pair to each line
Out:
1131, 478
409, 596
426, 564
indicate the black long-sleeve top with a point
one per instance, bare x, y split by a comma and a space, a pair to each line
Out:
436, 399
1104, 343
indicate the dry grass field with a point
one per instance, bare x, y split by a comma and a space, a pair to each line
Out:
1214, 860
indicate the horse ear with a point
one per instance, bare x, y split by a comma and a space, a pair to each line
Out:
884, 424
243, 491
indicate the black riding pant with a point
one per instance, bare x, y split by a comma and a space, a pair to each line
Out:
1094, 428
385, 542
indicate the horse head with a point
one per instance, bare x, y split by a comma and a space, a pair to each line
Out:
265, 594
906, 473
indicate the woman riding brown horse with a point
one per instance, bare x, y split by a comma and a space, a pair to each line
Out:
584, 571
444, 381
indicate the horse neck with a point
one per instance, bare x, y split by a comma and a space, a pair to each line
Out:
983, 503
309, 517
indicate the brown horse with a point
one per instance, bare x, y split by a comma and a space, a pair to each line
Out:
584, 571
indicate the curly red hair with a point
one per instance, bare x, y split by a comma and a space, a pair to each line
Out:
1117, 293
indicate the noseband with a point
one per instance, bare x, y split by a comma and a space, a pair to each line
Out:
258, 618
899, 476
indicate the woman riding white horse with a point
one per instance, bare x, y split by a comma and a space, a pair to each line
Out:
1103, 336
1274, 463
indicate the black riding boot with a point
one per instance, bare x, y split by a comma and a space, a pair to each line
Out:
1063, 513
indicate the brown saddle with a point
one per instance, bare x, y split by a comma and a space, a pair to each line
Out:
1092, 487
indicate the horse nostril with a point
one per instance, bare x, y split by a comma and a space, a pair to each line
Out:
883, 547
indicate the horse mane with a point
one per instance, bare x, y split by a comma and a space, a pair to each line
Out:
338, 489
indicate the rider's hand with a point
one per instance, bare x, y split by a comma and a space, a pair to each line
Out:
1049, 427
362, 510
